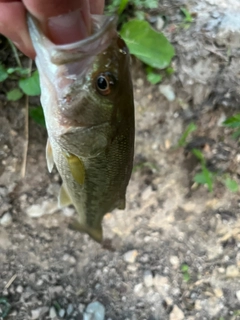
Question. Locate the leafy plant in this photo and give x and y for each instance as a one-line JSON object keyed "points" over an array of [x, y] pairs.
{"points": [[234, 123], [146, 44], [187, 15], [185, 272], [205, 177], [183, 140]]}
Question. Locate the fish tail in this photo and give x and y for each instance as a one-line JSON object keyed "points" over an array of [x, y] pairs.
{"points": [[94, 233]]}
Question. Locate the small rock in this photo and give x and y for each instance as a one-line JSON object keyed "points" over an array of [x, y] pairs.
{"points": [[94, 311], [138, 288], [130, 256], [232, 271], [81, 307], [218, 292], [238, 295], [167, 91], [6, 219], [61, 313], [176, 314], [161, 284], [174, 261], [52, 313], [38, 210], [19, 289], [69, 309], [69, 258], [68, 212], [148, 278], [159, 23], [147, 193], [35, 313]]}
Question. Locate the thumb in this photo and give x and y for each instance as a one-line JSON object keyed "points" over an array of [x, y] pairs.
{"points": [[62, 21]]}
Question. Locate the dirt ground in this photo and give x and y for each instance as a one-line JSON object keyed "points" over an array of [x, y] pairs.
{"points": [[50, 272]]}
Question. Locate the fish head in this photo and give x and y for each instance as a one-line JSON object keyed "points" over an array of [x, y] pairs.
{"points": [[85, 83]]}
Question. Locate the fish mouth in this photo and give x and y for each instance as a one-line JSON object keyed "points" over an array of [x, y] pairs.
{"points": [[103, 30]]}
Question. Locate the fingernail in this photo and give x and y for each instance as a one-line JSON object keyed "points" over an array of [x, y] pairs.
{"points": [[67, 28]]}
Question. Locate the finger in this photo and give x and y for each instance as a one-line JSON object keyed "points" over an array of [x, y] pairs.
{"points": [[96, 6], [13, 26], [63, 21]]}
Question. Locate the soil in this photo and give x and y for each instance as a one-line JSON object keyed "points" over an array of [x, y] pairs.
{"points": [[177, 245]]}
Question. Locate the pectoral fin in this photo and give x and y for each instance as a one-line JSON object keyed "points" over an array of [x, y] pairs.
{"points": [[63, 198], [76, 167], [95, 233], [49, 156]]}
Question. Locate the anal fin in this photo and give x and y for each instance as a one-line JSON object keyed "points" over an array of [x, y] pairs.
{"points": [[63, 198]]}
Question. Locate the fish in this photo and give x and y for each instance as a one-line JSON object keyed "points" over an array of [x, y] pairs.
{"points": [[88, 105]]}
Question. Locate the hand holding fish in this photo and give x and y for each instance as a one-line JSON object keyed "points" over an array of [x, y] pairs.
{"points": [[63, 21]]}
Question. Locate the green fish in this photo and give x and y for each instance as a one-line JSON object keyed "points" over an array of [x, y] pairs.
{"points": [[87, 98]]}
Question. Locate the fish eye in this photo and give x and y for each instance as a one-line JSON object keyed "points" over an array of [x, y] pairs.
{"points": [[104, 82]]}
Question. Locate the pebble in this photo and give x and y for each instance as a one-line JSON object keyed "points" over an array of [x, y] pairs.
{"points": [[238, 295], [159, 23], [167, 91], [38, 210], [94, 311], [19, 289], [174, 261], [69, 258], [130, 256], [148, 278], [61, 313], [232, 271], [6, 219], [176, 314], [35, 314], [52, 313], [161, 284], [138, 289], [81, 307], [69, 309]]}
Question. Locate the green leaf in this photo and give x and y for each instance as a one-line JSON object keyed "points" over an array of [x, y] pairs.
{"points": [[205, 177], [122, 6], [187, 14], [233, 122], [140, 15], [198, 154], [208, 177], [186, 276], [169, 71], [20, 71], [153, 77], [146, 44], [190, 128], [30, 86], [3, 73], [231, 184], [184, 267], [14, 94], [36, 113], [236, 134]]}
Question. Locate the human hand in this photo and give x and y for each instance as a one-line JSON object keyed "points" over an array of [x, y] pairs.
{"points": [[63, 21]]}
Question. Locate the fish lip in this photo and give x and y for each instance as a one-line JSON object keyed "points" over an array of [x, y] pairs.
{"points": [[61, 54]]}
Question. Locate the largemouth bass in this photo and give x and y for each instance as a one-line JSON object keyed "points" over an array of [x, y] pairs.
{"points": [[87, 98]]}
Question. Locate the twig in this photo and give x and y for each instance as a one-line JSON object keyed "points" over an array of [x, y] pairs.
{"points": [[15, 53], [10, 281], [26, 130]]}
